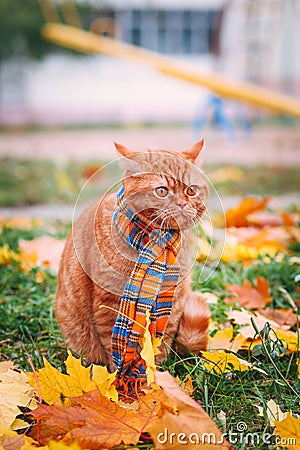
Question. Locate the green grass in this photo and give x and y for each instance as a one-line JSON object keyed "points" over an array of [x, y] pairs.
{"points": [[31, 182], [29, 329]]}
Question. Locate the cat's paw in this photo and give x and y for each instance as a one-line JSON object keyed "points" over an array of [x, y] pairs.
{"points": [[193, 327]]}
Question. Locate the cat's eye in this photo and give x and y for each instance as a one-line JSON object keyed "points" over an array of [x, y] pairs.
{"points": [[161, 191], [191, 191]]}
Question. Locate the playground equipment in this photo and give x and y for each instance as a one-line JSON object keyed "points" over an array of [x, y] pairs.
{"points": [[89, 42]]}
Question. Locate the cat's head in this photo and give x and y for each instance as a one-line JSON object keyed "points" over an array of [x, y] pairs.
{"points": [[164, 187]]}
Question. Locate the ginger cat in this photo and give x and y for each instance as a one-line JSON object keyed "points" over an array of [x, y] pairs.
{"points": [[163, 187]]}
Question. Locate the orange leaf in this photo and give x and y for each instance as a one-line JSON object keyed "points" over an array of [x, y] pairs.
{"points": [[289, 432], [190, 427], [280, 315], [96, 422], [223, 340], [250, 297], [237, 217]]}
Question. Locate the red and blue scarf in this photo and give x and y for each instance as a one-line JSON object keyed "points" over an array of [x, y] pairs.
{"points": [[151, 286]]}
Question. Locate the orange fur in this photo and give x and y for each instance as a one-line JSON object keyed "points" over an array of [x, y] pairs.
{"points": [[96, 262]]}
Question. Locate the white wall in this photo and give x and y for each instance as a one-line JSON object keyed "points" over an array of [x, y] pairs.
{"points": [[95, 89]]}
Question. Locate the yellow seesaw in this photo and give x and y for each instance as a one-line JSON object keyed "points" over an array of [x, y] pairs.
{"points": [[89, 42]]}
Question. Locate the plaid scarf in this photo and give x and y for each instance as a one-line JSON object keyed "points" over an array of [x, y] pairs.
{"points": [[151, 286]]}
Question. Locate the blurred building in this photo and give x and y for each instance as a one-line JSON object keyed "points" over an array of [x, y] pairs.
{"points": [[252, 39]]}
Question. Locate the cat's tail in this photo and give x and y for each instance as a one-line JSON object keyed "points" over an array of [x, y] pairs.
{"points": [[193, 327]]}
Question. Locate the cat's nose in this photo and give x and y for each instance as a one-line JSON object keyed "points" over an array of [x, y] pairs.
{"points": [[181, 204]]}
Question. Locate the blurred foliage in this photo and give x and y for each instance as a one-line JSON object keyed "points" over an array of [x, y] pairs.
{"points": [[31, 182], [254, 180], [20, 30]]}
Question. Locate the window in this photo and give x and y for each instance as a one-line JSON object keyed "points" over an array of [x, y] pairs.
{"points": [[167, 31]]}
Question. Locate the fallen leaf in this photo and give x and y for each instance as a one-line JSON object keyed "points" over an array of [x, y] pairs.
{"points": [[57, 388], [24, 261], [54, 445], [273, 412], [290, 339], [250, 297], [244, 318], [5, 366], [47, 249], [187, 386], [221, 416], [237, 217], [281, 332], [222, 362], [280, 316], [7, 255], [289, 432], [147, 352], [14, 442], [223, 340], [10, 440], [190, 427], [248, 243], [96, 422], [15, 391]]}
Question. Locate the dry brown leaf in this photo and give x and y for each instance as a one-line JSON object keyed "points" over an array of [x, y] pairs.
{"points": [[96, 422], [10, 440], [273, 412], [250, 297], [15, 391], [280, 316], [5, 366], [190, 428], [289, 338]]}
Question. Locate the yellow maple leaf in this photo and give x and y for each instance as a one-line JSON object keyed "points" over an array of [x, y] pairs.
{"points": [[24, 261], [289, 338], [242, 251], [104, 382], [289, 432], [221, 362], [30, 444], [147, 352], [7, 255], [15, 391], [223, 340], [57, 388]]}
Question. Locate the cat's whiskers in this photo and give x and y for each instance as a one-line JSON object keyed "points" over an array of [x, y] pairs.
{"points": [[158, 216]]}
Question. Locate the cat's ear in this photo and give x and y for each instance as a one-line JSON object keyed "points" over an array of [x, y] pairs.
{"points": [[192, 153], [124, 151], [128, 163]]}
